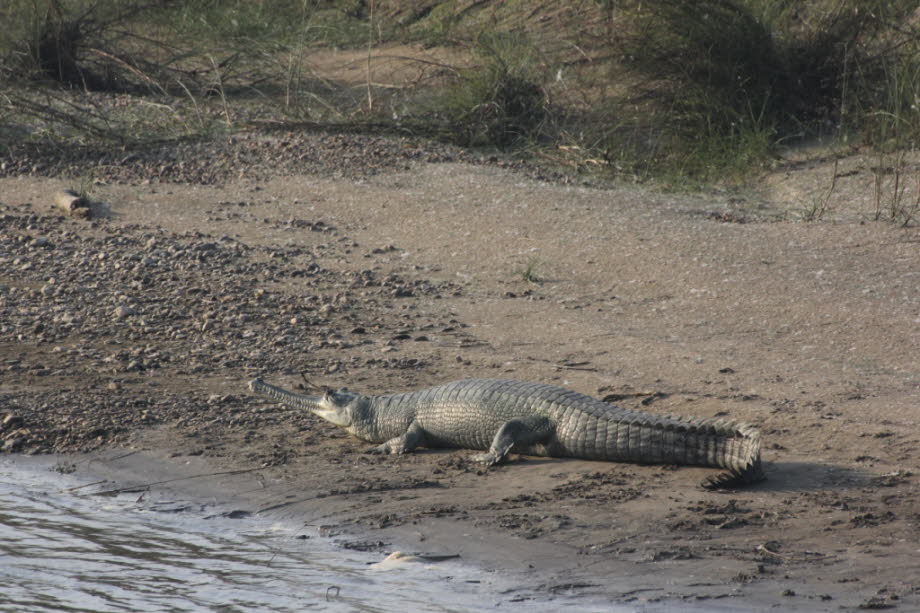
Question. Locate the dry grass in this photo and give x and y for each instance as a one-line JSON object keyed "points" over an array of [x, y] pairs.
{"points": [[692, 92]]}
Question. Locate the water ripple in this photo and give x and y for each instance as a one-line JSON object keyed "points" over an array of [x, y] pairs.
{"points": [[61, 552]]}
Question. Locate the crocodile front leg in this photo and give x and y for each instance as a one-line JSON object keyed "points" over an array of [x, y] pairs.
{"points": [[413, 437], [522, 431]]}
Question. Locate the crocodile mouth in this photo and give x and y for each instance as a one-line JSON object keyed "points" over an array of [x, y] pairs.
{"points": [[318, 405]]}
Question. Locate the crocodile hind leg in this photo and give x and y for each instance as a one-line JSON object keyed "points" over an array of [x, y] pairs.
{"points": [[522, 431]]}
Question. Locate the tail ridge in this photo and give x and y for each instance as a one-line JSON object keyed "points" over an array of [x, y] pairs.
{"points": [[743, 464]]}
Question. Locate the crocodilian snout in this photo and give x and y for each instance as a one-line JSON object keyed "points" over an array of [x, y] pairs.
{"points": [[318, 405], [300, 401]]}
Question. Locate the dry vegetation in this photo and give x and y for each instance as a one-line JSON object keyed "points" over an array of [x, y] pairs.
{"points": [[693, 91]]}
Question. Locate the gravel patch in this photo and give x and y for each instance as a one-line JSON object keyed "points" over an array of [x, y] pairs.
{"points": [[249, 155]]}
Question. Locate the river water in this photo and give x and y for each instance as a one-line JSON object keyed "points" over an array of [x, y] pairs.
{"points": [[63, 550]]}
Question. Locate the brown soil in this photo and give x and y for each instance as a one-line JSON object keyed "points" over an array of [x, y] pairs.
{"points": [[385, 271]]}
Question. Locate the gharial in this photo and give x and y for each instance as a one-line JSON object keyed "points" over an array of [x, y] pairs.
{"points": [[502, 416]]}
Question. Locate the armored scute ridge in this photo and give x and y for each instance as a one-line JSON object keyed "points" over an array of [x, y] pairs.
{"points": [[501, 416]]}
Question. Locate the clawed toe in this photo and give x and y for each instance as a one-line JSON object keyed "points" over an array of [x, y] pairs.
{"points": [[488, 458]]}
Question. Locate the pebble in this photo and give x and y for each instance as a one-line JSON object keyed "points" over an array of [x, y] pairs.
{"points": [[122, 311], [10, 421], [81, 302]]}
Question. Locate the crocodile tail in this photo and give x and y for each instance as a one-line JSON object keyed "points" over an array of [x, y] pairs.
{"points": [[741, 456]]}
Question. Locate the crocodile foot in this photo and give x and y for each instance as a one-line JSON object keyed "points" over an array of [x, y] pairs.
{"points": [[488, 458]]}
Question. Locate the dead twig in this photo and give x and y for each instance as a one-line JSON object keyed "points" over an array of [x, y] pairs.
{"points": [[312, 386], [132, 69], [73, 489], [820, 206], [370, 49], [220, 86]]}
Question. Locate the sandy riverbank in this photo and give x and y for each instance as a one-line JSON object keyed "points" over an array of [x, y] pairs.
{"points": [[137, 333]]}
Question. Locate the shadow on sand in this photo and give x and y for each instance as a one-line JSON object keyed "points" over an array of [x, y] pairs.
{"points": [[812, 476]]}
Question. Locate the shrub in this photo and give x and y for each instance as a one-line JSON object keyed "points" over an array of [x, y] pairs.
{"points": [[42, 38], [723, 81], [499, 102]]}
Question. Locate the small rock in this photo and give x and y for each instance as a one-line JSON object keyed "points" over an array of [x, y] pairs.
{"points": [[72, 203], [10, 421], [122, 311]]}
